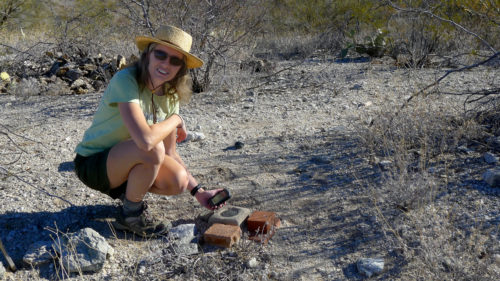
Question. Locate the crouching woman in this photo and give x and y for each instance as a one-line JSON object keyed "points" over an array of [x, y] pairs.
{"points": [[130, 147]]}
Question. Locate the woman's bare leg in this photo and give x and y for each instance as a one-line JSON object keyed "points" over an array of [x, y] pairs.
{"points": [[127, 162], [172, 178]]}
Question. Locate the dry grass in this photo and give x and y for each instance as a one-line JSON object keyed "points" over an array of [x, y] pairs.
{"points": [[439, 232]]}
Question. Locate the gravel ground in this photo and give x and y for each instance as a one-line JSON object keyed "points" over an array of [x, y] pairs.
{"points": [[302, 158]]}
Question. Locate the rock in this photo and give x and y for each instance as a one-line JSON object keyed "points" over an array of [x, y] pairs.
{"points": [[89, 67], [356, 87], [195, 136], [54, 69], [252, 263], [2, 271], [238, 145], [85, 251], [73, 74], [321, 160], [121, 62], [183, 232], [385, 165], [491, 158], [496, 259], [369, 267], [492, 177], [79, 83], [464, 149], [494, 142], [39, 253], [256, 65], [5, 77], [184, 239]]}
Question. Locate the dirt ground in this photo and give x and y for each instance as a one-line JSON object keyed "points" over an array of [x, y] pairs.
{"points": [[301, 157]]}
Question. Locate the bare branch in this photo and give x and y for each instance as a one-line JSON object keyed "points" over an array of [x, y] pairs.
{"points": [[9, 173], [17, 135], [432, 15], [445, 75]]}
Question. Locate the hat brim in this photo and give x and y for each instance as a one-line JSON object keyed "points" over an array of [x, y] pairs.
{"points": [[192, 61]]}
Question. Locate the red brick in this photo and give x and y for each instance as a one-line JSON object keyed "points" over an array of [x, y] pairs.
{"points": [[260, 222], [222, 235], [265, 237]]}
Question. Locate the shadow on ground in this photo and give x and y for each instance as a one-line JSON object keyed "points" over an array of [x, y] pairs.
{"points": [[325, 203], [45, 226]]}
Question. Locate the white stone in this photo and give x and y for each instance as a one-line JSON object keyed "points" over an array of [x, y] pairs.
{"points": [[85, 251], [252, 263], [496, 258], [184, 239], [183, 232], [195, 136], [369, 267], [39, 253]]}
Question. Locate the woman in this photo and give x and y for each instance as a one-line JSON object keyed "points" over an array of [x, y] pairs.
{"points": [[130, 148]]}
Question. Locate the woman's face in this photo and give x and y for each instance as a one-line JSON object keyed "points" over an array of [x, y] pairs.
{"points": [[164, 63]]}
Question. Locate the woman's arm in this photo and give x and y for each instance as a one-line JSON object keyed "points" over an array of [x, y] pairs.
{"points": [[144, 135], [202, 195]]}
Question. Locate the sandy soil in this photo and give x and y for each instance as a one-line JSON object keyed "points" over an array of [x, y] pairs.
{"points": [[302, 158]]}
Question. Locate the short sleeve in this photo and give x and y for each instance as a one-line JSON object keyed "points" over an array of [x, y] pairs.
{"points": [[123, 87], [176, 106]]}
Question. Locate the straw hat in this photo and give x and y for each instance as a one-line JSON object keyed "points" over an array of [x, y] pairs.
{"points": [[172, 37]]}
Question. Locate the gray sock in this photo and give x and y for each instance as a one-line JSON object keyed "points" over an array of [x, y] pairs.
{"points": [[130, 207]]}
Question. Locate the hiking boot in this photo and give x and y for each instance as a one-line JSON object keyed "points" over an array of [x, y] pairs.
{"points": [[141, 223]]}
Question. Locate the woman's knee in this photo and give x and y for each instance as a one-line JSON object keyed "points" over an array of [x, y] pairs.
{"points": [[181, 181], [156, 155]]}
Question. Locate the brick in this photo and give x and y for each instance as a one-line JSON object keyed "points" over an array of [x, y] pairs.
{"points": [[230, 215], [263, 238], [260, 222], [222, 235]]}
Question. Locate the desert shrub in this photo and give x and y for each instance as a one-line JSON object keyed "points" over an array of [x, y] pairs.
{"points": [[80, 27], [419, 194], [329, 20], [11, 12], [434, 237], [419, 136], [416, 30], [419, 29]]}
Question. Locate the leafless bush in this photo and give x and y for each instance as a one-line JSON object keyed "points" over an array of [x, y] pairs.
{"points": [[221, 29], [430, 235], [412, 44], [423, 132]]}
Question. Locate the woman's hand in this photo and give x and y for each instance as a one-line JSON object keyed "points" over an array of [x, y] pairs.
{"points": [[203, 195], [181, 131]]}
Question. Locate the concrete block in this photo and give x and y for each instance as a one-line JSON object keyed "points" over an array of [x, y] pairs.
{"points": [[230, 215], [222, 235], [261, 222]]}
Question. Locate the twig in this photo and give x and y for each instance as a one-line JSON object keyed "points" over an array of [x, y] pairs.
{"points": [[12, 265], [34, 186], [17, 135], [273, 75], [445, 75], [432, 15], [17, 50]]}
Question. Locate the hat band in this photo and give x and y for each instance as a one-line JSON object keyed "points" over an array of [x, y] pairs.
{"points": [[174, 45]]}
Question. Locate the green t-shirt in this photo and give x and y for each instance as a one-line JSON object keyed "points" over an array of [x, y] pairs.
{"points": [[107, 128]]}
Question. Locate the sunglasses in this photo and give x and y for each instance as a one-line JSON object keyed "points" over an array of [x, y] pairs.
{"points": [[161, 55]]}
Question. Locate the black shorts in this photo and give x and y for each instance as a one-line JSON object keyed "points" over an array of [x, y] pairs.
{"points": [[92, 171]]}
